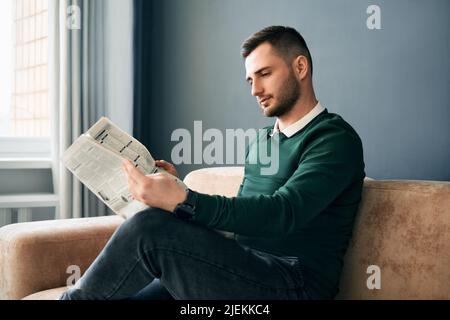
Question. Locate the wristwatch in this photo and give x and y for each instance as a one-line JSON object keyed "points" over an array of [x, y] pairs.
{"points": [[186, 210]]}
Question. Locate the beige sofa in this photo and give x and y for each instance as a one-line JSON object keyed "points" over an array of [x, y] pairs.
{"points": [[403, 227]]}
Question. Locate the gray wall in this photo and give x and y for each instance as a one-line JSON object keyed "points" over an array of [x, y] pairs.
{"points": [[119, 62], [391, 84]]}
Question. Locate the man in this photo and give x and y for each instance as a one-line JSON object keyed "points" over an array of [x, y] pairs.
{"points": [[292, 227]]}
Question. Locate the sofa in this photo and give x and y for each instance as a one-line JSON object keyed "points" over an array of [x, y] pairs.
{"points": [[400, 247]]}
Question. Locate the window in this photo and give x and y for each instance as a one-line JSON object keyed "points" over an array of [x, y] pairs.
{"points": [[24, 85]]}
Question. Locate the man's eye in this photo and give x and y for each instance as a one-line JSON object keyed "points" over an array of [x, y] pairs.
{"points": [[265, 74]]}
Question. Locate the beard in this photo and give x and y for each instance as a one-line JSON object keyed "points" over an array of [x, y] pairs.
{"points": [[287, 98]]}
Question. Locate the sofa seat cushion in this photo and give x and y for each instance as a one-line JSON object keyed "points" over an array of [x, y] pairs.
{"points": [[51, 294]]}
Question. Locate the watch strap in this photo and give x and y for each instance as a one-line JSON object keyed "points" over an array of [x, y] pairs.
{"points": [[186, 209], [191, 198]]}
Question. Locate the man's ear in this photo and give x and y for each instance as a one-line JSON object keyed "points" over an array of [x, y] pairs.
{"points": [[301, 66]]}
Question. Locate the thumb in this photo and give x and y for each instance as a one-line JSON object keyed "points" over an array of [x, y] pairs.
{"points": [[162, 163]]}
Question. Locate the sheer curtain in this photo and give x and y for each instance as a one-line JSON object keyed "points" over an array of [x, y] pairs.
{"points": [[76, 33]]}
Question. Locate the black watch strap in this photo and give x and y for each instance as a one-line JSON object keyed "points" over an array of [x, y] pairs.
{"points": [[191, 198], [186, 209]]}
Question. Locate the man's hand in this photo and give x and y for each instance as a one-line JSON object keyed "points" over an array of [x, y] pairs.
{"points": [[170, 168], [158, 190]]}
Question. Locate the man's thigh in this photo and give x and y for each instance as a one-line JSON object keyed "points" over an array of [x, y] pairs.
{"points": [[197, 262]]}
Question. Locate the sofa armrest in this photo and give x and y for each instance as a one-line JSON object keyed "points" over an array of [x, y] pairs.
{"points": [[34, 256]]}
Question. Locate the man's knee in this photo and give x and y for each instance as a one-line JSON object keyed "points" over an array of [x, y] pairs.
{"points": [[147, 223], [156, 226]]}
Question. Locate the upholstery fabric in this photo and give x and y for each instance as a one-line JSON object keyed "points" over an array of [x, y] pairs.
{"points": [[220, 180], [50, 294], [403, 227], [34, 256]]}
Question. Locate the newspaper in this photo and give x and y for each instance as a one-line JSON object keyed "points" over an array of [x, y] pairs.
{"points": [[96, 158]]}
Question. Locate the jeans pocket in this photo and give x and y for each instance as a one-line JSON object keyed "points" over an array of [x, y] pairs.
{"points": [[293, 267]]}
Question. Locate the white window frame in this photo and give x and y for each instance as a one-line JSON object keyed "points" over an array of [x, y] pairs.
{"points": [[25, 147]]}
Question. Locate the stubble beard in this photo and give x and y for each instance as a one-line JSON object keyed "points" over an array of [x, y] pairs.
{"points": [[287, 100]]}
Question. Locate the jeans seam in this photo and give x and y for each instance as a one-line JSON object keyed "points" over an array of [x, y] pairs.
{"points": [[170, 292], [188, 254], [116, 288], [287, 259]]}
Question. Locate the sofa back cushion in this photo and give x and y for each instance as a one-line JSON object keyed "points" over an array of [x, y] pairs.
{"points": [[224, 181], [401, 236], [403, 229]]}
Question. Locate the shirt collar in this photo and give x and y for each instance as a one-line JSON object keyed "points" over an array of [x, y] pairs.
{"points": [[299, 124]]}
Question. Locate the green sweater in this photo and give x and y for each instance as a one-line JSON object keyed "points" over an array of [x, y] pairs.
{"points": [[306, 209]]}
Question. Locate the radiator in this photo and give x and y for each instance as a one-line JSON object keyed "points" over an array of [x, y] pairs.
{"points": [[19, 208]]}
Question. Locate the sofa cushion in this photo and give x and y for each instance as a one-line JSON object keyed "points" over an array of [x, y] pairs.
{"points": [[403, 227], [224, 181], [51, 294], [34, 256]]}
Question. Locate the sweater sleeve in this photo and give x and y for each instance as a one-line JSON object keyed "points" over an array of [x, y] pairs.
{"points": [[326, 167]]}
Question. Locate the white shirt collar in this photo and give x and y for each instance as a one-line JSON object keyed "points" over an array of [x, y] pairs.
{"points": [[301, 123]]}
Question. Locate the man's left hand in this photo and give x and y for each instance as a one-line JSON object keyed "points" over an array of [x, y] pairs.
{"points": [[158, 190]]}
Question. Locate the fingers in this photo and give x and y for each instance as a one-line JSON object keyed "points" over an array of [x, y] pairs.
{"points": [[133, 172], [163, 164], [170, 168], [133, 187], [134, 180]]}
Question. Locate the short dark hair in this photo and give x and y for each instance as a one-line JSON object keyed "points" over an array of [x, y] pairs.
{"points": [[286, 40]]}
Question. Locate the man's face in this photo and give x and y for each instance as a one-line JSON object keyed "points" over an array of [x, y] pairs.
{"points": [[272, 81]]}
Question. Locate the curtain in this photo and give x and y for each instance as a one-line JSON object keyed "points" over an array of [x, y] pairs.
{"points": [[77, 93], [145, 88]]}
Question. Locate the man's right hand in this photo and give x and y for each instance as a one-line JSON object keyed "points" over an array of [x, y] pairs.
{"points": [[170, 168]]}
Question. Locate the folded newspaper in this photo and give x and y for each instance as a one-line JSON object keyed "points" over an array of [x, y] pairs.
{"points": [[96, 158]]}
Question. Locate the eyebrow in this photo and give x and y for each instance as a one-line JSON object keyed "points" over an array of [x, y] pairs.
{"points": [[258, 72]]}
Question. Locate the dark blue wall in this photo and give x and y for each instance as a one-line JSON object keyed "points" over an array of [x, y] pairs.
{"points": [[392, 85]]}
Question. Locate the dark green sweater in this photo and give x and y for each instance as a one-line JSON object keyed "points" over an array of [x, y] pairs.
{"points": [[307, 208]]}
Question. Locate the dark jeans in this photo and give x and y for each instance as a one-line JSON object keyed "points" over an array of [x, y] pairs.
{"points": [[157, 256]]}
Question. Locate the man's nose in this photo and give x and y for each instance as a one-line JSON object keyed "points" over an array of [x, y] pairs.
{"points": [[257, 89]]}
